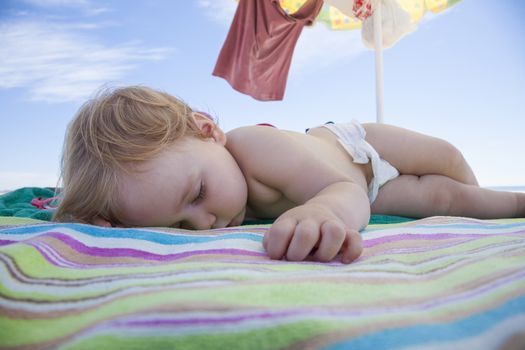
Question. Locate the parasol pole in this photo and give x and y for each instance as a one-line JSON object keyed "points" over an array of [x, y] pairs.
{"points": [[378, 45]]}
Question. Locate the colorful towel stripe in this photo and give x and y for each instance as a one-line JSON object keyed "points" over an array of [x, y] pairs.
{"points": [[437, 283]]}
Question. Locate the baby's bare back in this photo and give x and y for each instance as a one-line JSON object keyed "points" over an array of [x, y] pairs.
{"points": [[284, 169]]}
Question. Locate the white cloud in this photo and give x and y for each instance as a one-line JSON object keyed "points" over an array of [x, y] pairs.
{"points": [[221, 11], [57, 63], [321, 46], [85, 5]]}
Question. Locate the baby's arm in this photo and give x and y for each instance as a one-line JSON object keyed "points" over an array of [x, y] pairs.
{"points": [[330, 208]]}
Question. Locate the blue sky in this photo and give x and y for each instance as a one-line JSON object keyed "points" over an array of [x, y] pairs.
{"points": [[459, 76]]}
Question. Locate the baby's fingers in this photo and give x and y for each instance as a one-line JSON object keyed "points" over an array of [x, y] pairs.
{"points": [[304, 239], [333, 235], [277, 239], [352, 246]]}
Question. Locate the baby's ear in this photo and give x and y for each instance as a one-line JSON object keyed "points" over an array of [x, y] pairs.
{"points": [[209, 128]]}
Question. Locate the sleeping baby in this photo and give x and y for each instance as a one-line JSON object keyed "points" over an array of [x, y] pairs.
{"points": [[134, 156]]}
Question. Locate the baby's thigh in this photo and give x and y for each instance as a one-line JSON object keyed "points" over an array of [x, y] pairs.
{"points": [[411, 152], [415, 196]]}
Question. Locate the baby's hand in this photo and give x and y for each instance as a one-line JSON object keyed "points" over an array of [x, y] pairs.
{"points": [[298, 231]]}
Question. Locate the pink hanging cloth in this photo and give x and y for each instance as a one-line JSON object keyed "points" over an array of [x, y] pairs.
{"points": [[257, 53]]}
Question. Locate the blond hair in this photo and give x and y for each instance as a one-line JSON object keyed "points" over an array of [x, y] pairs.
{"points": [[116, 127]]}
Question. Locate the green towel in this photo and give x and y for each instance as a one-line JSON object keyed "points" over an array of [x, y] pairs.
{"points": [[388, 219], [18, 203]]}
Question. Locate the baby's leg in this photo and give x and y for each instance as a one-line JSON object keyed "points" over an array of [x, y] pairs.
{"points": [[429, 195], [413, 153]]}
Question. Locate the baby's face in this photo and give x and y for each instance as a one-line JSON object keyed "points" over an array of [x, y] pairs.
{"points": [[195, 184]]}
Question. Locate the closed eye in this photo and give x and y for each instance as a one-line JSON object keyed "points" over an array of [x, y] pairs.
{"points": [[200, 195]]}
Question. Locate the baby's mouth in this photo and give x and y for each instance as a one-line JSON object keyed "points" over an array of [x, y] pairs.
{"points": [[236, 221]]}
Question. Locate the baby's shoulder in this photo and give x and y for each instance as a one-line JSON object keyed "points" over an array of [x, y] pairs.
{"points": [[250, 131], [254, 137]]}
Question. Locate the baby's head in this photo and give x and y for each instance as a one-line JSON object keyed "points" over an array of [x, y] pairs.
{"points": [[129, 150]]}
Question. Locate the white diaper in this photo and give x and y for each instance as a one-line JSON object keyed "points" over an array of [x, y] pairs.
{"points": [[352, 137]]}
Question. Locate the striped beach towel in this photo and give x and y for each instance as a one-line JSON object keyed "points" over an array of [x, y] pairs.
{"points": [[436, 283]]}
